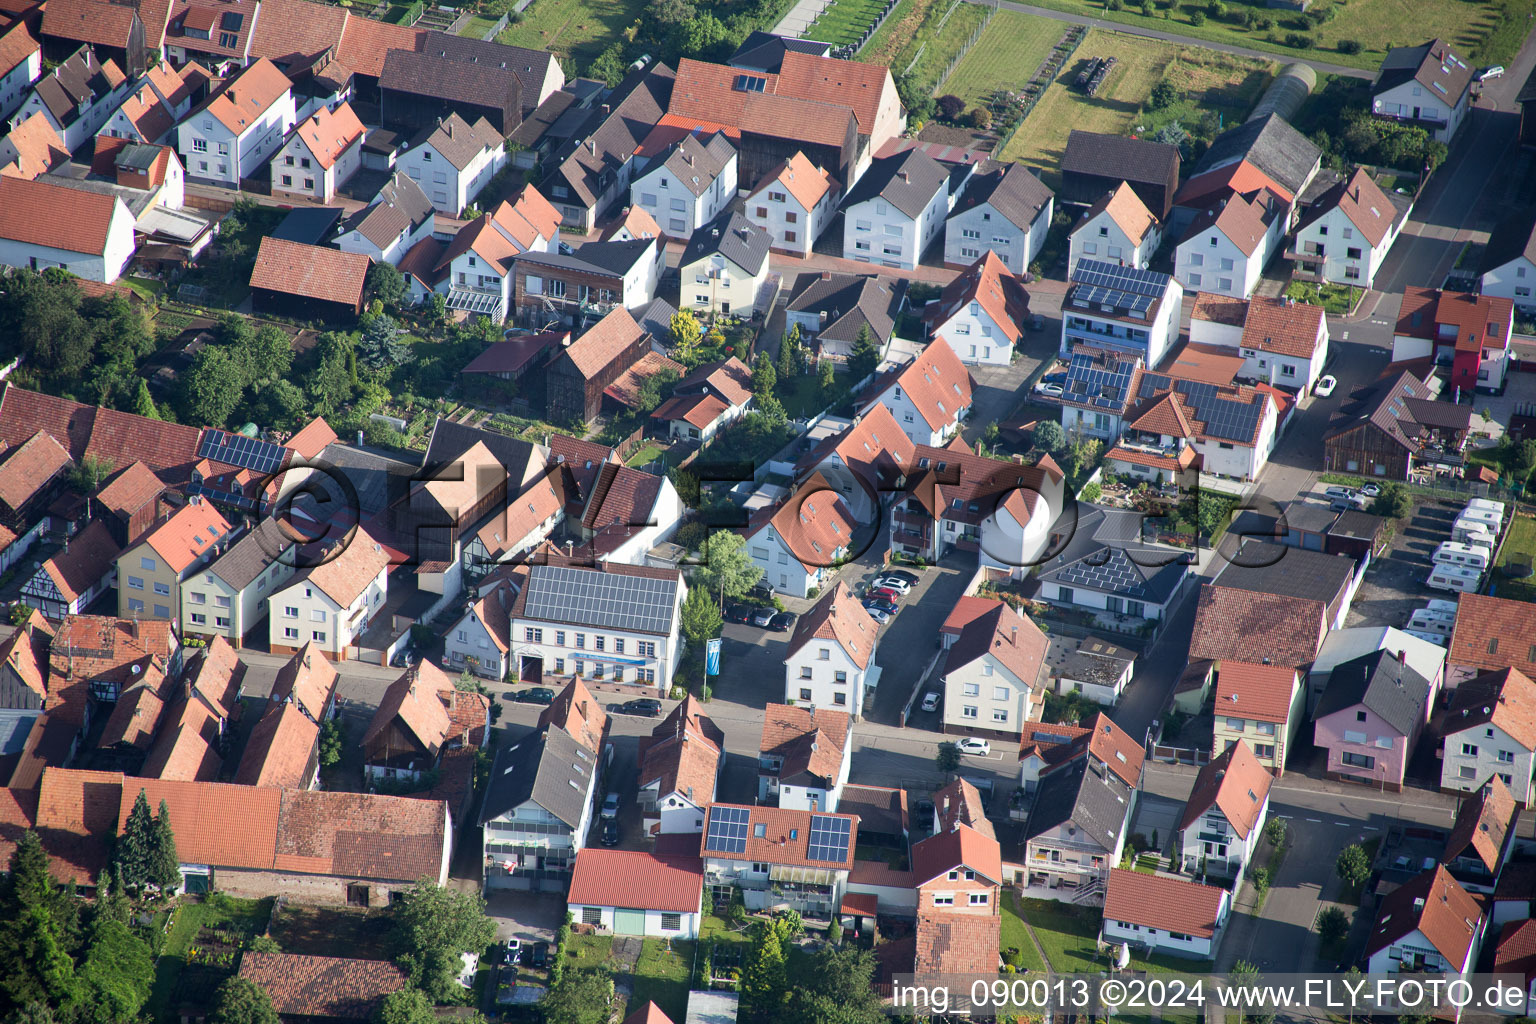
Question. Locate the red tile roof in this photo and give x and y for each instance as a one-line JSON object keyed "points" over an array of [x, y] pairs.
{"points": [[187, 535], [310, 271], [1482, 824], [1235, 784], [330, 133], [785, 840], [89, 21], [150, 115], [1220, 309], [682, 763], [875, 448], [799, 177], [25, 653], [696, 410], [29, 468], [1361, 200], [576, 711], [1127, 210], [937, 383], [1493, 633], [334, 988], [1013, 641], [17, 45], [991, 284], [245, 97], [39, 148], [309, 678], [90, 555], [956, 847], [960, 803], [1231, 623], [807, 740], [1259, 692], [1157, 901], [638, 880], [1240, 177], [729, 379], [309, 442], [838, 617], [1516, 951], [468, 715], [626, 387], [814, 523], [1505, 698], [953, 942], [1435, 905], [77, 815], [413, 699], [604, 342], [622, 497], [346, 575], [131, 489], [708, 91], [279, 749], [650, 1013], [1282, 326], [830, 80], [966, 610], [42, 213]]}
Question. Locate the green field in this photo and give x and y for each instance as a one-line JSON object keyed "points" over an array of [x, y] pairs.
{"points": [[844, 21], [577, 30], [477, 27], [923, 36], [1520, 548], [1205, 78], [1006, 55], [1485, 31]]}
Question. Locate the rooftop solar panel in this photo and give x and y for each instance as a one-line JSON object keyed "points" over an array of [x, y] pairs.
{"points": [[727, 830], [829, 838], [586, 597], [239, 450]]}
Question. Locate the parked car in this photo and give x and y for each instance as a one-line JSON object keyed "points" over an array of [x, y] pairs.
{"points": [[895, 583], [972, 745], [539, 956], [761, 591], [611, 805], [878, 613], [763, 616], [885, 592], [1497, 71], [403, 659], [610, 832], [924, 815], [903, 574], [1059, 377], [782, 622], [1370, 490], [931, 700], [737, 612], [1336, 492], [646, 707], [512, 952], [885, 604], [536, 695], [1353, 503], [1325, 385], [1048, 390]]}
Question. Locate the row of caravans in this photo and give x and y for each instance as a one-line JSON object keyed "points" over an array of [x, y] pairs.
{"points": [[1461, 561]]}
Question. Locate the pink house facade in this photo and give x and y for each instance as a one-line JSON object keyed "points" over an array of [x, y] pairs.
{"points": [[1370, 717]]}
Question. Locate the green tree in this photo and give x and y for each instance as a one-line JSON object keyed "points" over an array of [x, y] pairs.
{"points": [[405, 1006], [135, 847], [838, 989], [332, 742], [34, 940], [1353, 867], [701, 37], [162, 868], [1049, 436], [330, 384], [609, 67], [385, 283], [1332, 925], [790, 353], [213, 386], [380, 345], [580, 997], [271, 352], [701, 619], [89, 473], [117, 972], [686, 331], [1092, 491], [1393, 502], [726, 570], [826, 379], [771, 409], [764, 978], [1207, 510], [282, 404], [144, 402], [948, 758], [434, 926], [764, 377], [864, 358], [241, 1001], [655, 389]]}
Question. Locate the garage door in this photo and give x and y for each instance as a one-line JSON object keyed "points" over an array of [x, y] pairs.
{"points": [[628, 922]]}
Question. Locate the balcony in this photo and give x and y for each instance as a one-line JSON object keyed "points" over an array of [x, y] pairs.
{"points": [[484, 301]]}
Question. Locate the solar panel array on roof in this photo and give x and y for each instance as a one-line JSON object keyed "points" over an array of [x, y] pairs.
{"points": [[1089, 382], [829, 838], [727, 830], [1116, 573], [239, 450], [585, 597], [1107, 284], [1230, 418]]}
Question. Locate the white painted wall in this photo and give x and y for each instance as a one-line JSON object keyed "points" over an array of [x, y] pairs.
{"points": [[106, 266], [1100, 238], [1411, 100], [715, 284], [16, 83], [676, 209], [289, 175], [225, 158], [834, 681], [985, 695], [972, 232], [976, 338], [449, 188], [299, 611], [874, 231], [1513, 281], [1348, 256], [1491, 744], [1210, 262], [773, 216]]}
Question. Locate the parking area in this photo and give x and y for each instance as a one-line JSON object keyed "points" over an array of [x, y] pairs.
{"points": [[531, 917], [1157, 819], [1394, 584]]}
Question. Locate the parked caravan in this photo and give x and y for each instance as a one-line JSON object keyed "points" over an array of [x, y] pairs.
{"points": [[1490, 519], [1455, 577], [1433, 638], [1487, 505], [1442, 608], [1424, 622], [1466, 532], [1452, 553]]}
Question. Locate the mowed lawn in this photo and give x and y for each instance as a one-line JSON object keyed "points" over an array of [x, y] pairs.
{"points": [[1209, 79], [577, 30], [1007, 54], [844, 21]]}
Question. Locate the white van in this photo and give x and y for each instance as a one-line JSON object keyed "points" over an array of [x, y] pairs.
{"points": [[1424, 622], [1452, 553], [1490, 519], [1467, 532], [1487, 505], [1455, 577], [1433, 638]]}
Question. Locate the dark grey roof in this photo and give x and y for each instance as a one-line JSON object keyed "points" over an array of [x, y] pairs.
{"points": [[537, 124], [850, 301], [1084, 794], [456, 139], [732, 236], [399, 208], [308, 225], [15, 726], [1271, 145], [655, 318], [530, 66], [374, 481], [450, 440], [1309, 517], [1513, 237], [1098, 557], [549, 768], [1264, 567], [908, 181], [609, 135], [1433, 65], [1011, 189], [1390, 688], [695, 161], [764, 51], [1095, 660], [1119, 156], [430, 74], [617, 258], [251, 555]]}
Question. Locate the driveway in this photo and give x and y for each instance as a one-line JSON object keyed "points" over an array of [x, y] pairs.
{"points": [[531, 917], [910, 640]]}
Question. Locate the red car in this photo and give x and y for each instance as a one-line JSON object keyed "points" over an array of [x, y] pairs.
{"points": [[884, 592]]}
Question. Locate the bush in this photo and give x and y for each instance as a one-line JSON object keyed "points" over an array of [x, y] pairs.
{"points": [[1164, 94], [1148, 8], [1394, 501], [1332, 925], [1275, 831], [1264, 23], [950, 107], [1261, 881], [1114, 5], [1299, 40], [1350, 46], [1216, 9], [1197, 18], [1092, 491], [980, 118]]}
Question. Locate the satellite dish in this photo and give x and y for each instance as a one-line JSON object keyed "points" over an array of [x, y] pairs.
{"points": [[1124, 959]]}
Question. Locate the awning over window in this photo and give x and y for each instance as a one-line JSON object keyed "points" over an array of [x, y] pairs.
{"points": [[803, 875]]}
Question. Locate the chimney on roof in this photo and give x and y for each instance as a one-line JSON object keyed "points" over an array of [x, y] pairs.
{"points": [[1015, 636], [592, 146], [826, 275]]}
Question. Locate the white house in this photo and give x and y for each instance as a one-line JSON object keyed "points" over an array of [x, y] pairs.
{"points": [[928, 397], [1109, 306], [799, 542], [77, 97], [1509, 263], [1345, 236], [630, 635], [239, 127], [1427, 86], [67, 583], [1004, 210], [481, 638], [628, 513], [1102, 566], [332, 603], [475, 271], [1098, 669], [1227, 245], [1097, 393], [229, 597], [981, 313], [1470, 332], [1233, 428], [688, 184], [1429, 924], [758, 849], [830, 662], [537, 810], [831, 309], [679, 766], [21, 63], [529, 516], [631, 892], [1161, 914], [392, 223], [803, 757], [795, 202], [725, 267], [1224, 816], [1490, 730], [46, 225], [1282, 342], [453, 160], [321, 154], [995, 675], [1117, 229], [143, 116], [895, 210], [707, 400]]}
